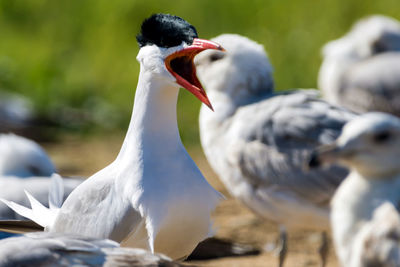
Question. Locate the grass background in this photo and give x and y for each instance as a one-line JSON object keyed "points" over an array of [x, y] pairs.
{"points": [[81, 53]]}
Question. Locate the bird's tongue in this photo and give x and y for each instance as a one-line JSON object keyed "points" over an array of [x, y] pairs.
{"points": [[180, 64]]}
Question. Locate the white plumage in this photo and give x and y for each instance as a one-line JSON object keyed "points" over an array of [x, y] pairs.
{"points": [[369, 145], [361, 70], [152, 196], [377, 243], [257, 141], [24, 165], [23, 158]]}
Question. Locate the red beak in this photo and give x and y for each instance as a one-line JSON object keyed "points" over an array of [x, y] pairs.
{"points": [[180, 65]]}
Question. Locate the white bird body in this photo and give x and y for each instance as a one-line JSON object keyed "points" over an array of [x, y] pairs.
{"points": [[152, 186], [268, 195], [377, 243], [369, 145], [364, 63], [353, 206], [152, 196], [256, 140]]}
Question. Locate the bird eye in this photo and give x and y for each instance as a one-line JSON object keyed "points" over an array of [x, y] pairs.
{"points": [[381, 137], [216, 56]]}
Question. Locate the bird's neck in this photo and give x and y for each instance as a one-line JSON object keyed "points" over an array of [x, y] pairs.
{"points": [[153, 123], [225, 104]]}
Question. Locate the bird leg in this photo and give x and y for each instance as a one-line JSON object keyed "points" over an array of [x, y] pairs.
{"points": [[324, 248], [281, 248]]}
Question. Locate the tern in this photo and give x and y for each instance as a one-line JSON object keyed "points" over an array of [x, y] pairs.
{"points": [[361, 70], [153, 196], [24, 165], [257, 140], [370, 146], [50, 249]]}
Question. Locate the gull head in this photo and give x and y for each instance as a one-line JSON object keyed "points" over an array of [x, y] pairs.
{"points": [[168, 45], [23, 158], [242, 71], [370, 144], [369, 36]]}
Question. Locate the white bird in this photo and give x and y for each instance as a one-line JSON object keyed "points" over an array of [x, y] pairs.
{"points": [[23, 158], [378, 242], [24, 165], [257, 141], [361, 70], [50, 249], [370, 146], [152, 196]]}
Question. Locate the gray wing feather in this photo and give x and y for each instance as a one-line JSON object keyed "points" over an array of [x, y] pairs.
{"points": [[279, 141], [49, 249]]}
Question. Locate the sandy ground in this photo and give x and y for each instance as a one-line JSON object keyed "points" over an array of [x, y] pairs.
{"points": [[232, 220]]}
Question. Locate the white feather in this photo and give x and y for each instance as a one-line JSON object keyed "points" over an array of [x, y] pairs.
{"points": [[56, 193]]}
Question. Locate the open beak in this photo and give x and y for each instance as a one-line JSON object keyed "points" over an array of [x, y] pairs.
{"points": [[180, 64]]}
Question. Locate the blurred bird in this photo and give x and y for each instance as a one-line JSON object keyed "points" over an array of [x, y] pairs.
{"points": [[23, 158], [361, 71], [378, 242], [50, 249], [257, 140], [370, 146], [24, 165], [152, 196]]}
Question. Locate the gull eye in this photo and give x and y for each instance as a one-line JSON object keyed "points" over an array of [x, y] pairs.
{"points": [[216, 56], [382, 137]]}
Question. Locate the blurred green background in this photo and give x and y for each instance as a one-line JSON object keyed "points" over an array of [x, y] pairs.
{"points": [[79, 55]]}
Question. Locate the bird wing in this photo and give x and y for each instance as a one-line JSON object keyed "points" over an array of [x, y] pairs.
{"points": [[376, 84], [37, 186], [50, 249], [97, 208], [277, 138]]}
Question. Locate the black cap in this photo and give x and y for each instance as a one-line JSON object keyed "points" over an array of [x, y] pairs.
{"points": [[165, 30]]}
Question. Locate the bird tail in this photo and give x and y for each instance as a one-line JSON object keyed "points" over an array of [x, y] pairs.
{"points": [[38, 213]]}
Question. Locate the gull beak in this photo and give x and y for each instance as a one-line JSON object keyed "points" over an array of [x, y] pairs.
{"points": [[323, 155], [180, 64]]}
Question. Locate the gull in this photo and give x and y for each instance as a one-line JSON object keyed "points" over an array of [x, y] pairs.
{"points": [[369, 145], [50, 249], [257, 140], [361, 70], [377, 243], [153, 196], [23, 158], [24, 165]]}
